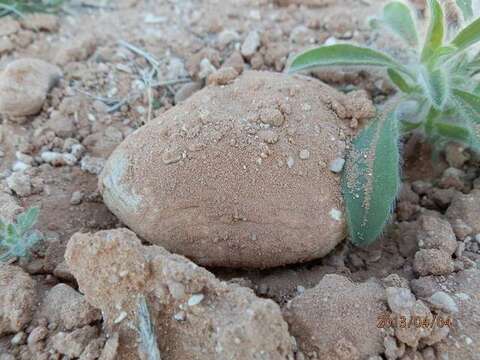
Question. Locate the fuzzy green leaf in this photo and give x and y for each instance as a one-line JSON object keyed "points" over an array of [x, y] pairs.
{"points": [[399, 80], [342, 55], [435, 85], [430, 120], [371, 179], [436, 30], [398, 17], [466, 8], [468, 36], [453, 131], [11, 234], [468, 104], [476, 91], [26, 220]]}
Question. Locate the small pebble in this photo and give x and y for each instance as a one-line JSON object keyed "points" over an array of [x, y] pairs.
{"points": [[336, 165], [195, 299], [19, 338], [443, 301], [290, 162], [180, 316], [76, 198], [477, 238], [304, 154]]}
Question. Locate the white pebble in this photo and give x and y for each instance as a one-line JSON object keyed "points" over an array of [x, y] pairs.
{"points": [[180, 316], [290, 162], [443, 301], [336, 214], [195, 299], [251, 44], [120, 317], [304, 154], [19, 166], [477, 238], [336, 165], [58, 159], [92, 165]]}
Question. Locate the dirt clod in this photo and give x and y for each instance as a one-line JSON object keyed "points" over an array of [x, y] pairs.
{"points": [[17, 299], [113, 268], [338, 314], [24, 85]]}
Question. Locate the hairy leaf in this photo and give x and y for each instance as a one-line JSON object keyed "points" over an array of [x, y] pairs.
{"points": [[430, 119], [21, 7], [476, 91], [342, 55], [468, 104], [398, 17], [436, 30], [453, 131], [26, 220], [441, 54], [435, 85], [468, 36], [11, 234], [399, 80], [466, 7], [371, 179]]}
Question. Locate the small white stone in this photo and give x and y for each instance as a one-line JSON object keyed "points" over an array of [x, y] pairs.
{"points": [[206, 68], [336, 165], [180, 316], [195, 299], [77, 150], [251, 44], [443, 301], [290, 162], [120, 317], [304, 154], [336, 214], [462, 296], [477, 238], [20, 183], [19, 338], [92, 165], [400, 300], [19, 166]]}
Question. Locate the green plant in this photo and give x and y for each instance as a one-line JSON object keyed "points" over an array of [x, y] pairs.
{"points": [[21, 7], [437, 95], [148, 339], [18, 238]]}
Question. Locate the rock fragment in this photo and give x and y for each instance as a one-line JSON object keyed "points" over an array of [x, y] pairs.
{"points": [[466, 207], [68, 308], [433, 262], [20, 183], [72, 344], [17, 299], [338, 318], [436, 233], [24, 85], [250, 44], [113, 269]]}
